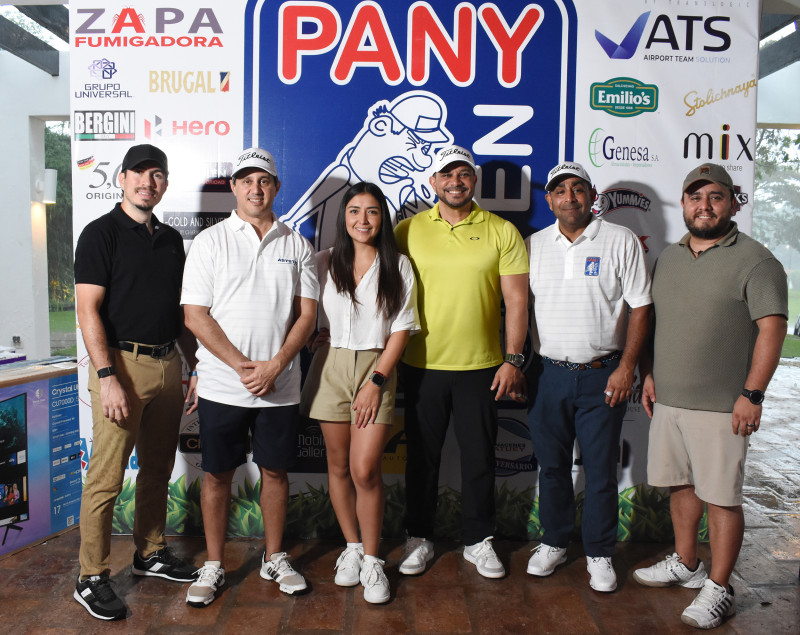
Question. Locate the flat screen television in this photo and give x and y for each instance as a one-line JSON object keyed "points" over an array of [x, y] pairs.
{"points": [[14, 503]]}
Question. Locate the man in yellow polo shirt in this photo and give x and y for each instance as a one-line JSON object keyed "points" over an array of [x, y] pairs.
{"points": [[466, 260]]}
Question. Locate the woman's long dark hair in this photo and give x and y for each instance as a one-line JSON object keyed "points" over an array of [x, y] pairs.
{"points": [[390, 282]]}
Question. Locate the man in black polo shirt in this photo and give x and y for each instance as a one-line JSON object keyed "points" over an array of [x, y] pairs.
{"points": [[128, 270]]}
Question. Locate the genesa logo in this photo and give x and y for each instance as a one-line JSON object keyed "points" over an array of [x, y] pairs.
{"points": [[671, 39], [606, 147], [167, 27], [624, 97]]}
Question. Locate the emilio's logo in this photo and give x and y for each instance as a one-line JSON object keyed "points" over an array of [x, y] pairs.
{"points": [[624, 97]]}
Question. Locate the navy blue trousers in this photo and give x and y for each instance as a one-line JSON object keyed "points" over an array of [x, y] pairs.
{"points": [[570, 404]]}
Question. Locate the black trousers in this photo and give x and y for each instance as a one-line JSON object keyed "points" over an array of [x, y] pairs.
{"points": [[431, 397]]}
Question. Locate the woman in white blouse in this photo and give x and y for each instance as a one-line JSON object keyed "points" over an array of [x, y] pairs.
{"points": [[367, 312]]}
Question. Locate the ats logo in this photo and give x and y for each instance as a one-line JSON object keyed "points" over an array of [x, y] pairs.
{"points": [[157, 127], [189, 82], [624, 97], [104, 125], [166, 27], [678, 38]]}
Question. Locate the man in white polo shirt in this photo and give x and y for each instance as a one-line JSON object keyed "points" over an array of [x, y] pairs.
{"points": [[585, 273], [250, 297]]}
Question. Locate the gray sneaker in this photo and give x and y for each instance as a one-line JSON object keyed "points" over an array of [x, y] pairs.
{"points": [[211, 577], [278, 569], [482, 555], [417, 553], [545, 559], [671, 571]]}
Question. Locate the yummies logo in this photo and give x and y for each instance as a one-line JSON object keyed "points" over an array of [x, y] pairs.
{"points": [[393, 84]]}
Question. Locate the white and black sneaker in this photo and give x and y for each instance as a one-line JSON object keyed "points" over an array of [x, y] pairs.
{"points": [[278, 569], [710, 607], [97, 596], [164, 564]]}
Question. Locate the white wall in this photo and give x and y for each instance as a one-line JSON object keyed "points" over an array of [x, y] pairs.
{"points": [[779, 98], [28, 98]]}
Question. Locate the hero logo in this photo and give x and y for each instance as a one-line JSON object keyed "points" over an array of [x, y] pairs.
{"points": [[127, 28], [605, 147], [157, 127], [315, 28], [676, 32]]}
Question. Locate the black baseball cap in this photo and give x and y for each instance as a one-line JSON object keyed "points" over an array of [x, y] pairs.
{"points": [[144, 152]]}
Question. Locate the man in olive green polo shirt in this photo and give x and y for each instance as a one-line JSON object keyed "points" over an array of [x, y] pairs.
{"points": [[721, 307], [465, 260]]}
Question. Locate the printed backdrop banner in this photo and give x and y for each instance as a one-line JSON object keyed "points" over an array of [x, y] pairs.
{"points": [[639, 91]]}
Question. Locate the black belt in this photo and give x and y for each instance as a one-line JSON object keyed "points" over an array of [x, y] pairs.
{"points": [[141, 349], [601, 362]]}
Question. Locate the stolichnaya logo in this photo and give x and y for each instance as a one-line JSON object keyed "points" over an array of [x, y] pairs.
{"points": [[624, 97]]}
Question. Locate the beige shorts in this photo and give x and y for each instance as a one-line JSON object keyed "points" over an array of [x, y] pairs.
{"points": [[697, 447], [333, 381]]}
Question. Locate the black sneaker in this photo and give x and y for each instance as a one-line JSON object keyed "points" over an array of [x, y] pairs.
{"points": [[98, 597], [164, 564]]}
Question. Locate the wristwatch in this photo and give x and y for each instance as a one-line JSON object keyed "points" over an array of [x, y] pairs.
{"points": [[515, 359], [378, 379], [756, 397], [105, 372]]}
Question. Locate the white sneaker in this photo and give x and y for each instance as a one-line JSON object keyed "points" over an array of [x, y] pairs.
{"points": [[278, 569], [545, 559], [417, 553], [603, 577], [671, 571], [348, 566], [203, 591], [376, 586], [711, 605], [482, 555]]}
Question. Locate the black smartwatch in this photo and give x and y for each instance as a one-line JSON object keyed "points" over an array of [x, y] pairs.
{"points": [[756, 397], [378, 379], [105, 372], [515, 359]]}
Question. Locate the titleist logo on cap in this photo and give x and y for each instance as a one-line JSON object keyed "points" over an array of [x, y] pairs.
{"points": [[252, 155]]}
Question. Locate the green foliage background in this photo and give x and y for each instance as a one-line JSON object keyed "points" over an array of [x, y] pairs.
{"points": [[643, 513]]}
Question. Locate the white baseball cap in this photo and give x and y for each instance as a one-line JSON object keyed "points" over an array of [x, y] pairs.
{"points": [[255, 158], [452, 154], [566, 168]]}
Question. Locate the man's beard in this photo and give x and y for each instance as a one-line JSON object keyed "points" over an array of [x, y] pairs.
{"points": [[709, 233]]}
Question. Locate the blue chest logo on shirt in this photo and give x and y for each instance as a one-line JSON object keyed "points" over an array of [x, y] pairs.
{"points": [[592, 267]]}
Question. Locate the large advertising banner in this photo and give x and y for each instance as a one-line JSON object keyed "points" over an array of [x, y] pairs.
{"points": [[639, 91]]}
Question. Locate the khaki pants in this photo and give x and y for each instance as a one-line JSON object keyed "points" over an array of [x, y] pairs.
{"points": [[155, 397]]}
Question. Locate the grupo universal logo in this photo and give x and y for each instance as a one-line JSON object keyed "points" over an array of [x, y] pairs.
{"points": [[159, 27], [175, 82], [623, 97], [102, 69], [104, 125], [671, 38], [615, 150]]}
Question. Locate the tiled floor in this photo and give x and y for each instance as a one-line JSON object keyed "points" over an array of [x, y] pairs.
{"points": [[36, 584]]}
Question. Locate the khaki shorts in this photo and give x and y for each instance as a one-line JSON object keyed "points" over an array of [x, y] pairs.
{"points": [[334, 379], [697, 447]]}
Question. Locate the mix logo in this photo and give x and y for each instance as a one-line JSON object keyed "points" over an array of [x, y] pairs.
{"points": [[102, 29], [605, 148], [103, 69], [104, 125], [155, 127], [618, 198], [703, 145], [623, 97], [666, 32], [189, 82]]}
